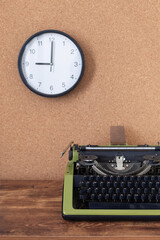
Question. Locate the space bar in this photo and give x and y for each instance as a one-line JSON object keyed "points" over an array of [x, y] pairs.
{"points": [[113, 205]]}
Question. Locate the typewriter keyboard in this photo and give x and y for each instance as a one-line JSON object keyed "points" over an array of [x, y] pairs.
{"points": [[109, 192]]}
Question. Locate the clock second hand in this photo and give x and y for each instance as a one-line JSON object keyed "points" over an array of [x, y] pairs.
{"points": [[51, 60]]}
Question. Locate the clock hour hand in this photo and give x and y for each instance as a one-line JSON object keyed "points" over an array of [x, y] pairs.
{"points": [[51, 60], [42, 63]]}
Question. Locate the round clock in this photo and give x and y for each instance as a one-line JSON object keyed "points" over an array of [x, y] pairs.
{"points": [[51, 63]]}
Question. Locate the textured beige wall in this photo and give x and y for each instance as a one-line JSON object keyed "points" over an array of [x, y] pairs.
{"points": [[121, 83]]}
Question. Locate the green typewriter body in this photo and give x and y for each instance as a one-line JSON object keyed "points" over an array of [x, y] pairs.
{"points": [[112, 182]]}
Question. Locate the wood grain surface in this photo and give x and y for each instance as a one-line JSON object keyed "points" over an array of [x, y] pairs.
{"points": [[33, 209], [120, 86]]}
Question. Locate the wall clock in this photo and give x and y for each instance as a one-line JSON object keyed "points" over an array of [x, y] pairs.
{"points": [[51, 63]]}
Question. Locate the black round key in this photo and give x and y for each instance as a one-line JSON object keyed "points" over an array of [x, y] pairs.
{"points": [[114, 197], [123, 184], [136, 196], [94, 184], [115, 184], [146, 178], [124, 191], [110, 190], [137, 184], [107, 197], [150, 197], [146, 190], [103, 190], [91, 178], [157, 198], [83, 197], [153, 178], [129, 196], [105, 178], [131, 178], [129, 184], [112, 178], [96, 190], [89, 190], [82, 184], [118, 178], [93, 196], [150, 184], [108, 184], [139, 178], [121, 197], [117, 191], [101, 184], [125, 178], [85, 178], [153, 191], [132, 191], [157, 184], [146, 197], [98, 178], [143, 197], [139, 191], [100, 197], [143, 184], [88, 184]]}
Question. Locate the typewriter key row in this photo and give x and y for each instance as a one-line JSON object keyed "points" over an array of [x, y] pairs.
{"points": [[120, 189], [111, 178], [121, 197]]}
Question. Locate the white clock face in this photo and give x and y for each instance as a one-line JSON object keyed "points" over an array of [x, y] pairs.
{"points": [[50, 63]]}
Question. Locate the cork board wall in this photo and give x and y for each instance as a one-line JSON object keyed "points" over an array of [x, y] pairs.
{"points": [[120, 86]]}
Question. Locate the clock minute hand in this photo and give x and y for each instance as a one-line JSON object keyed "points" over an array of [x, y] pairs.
{"points": [[51, 60], [42, 63]]}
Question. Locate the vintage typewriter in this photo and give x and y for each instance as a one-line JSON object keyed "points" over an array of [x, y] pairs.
{"points": [[112, 182]]}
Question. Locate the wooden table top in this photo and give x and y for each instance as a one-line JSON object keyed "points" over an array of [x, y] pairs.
{"points": [[32, 209]]}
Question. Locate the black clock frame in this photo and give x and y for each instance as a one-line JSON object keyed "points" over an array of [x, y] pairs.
{"points": [[20, 66]]}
